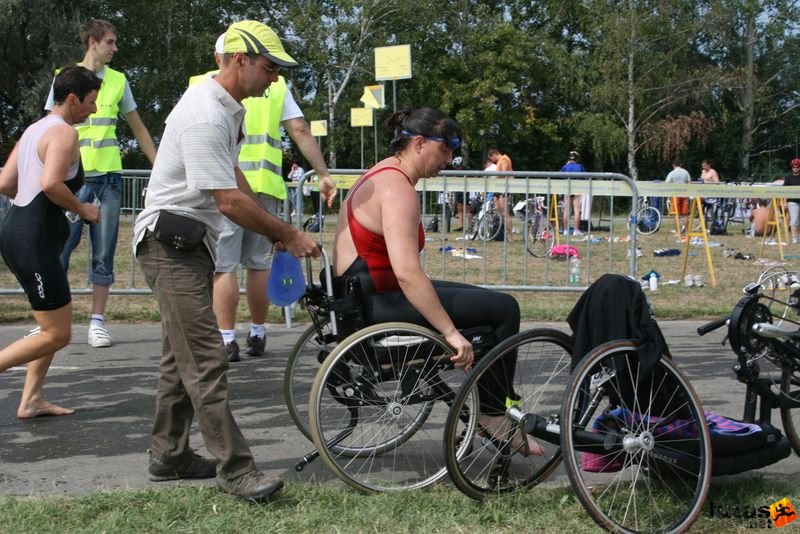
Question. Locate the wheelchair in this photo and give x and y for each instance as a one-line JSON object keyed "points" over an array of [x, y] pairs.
{"points": [[381, 393], [626, 427]]}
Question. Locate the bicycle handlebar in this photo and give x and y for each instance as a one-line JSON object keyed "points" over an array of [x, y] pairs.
{"points": [[774, 332], [713, 325]]}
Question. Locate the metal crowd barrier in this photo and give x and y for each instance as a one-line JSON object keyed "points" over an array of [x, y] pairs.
{"points": [[499, 265]]}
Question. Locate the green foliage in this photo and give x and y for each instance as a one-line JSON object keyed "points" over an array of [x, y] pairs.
{"points": [[610, 78]]}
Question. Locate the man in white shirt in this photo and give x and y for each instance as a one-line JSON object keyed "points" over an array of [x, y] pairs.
{"points": [[679, 175], [196, 182]]}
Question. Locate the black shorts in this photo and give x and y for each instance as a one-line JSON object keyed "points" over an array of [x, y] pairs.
{"points": [[31, 241]]}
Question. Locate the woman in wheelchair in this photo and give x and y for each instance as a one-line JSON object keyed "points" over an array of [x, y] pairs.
{"points": [[379, 236]]}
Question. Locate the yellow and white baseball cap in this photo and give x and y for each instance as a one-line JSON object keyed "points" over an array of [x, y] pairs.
{"points": [[253, 37]]}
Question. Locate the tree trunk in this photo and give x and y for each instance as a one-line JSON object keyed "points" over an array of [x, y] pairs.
{"points": [[331, 123], [748, 97], [632, 170]]}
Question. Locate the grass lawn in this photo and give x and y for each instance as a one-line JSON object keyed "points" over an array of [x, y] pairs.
{"points": [[324, 508]]}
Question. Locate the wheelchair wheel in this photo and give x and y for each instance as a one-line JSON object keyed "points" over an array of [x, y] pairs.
{"points": [[490, 225], [636, 445], [304, 361], [648, 220], [379, 404], [540, 236], [541, 373], [790, 410]]}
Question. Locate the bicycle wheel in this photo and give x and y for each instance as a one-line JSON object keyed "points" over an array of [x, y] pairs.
{"points": [[539, 237], [790, 409], [638, 454], [490, 225], [378, 407], [648, 220], [540, 375], [311, 349], [471, 230]]}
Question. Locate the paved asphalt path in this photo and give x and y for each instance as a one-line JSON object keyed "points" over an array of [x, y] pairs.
{"points": [[103, 446]]}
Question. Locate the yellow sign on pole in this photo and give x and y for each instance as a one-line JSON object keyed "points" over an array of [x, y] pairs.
{"points": [[360, 117], [373, 96], [319, 128], [393, 62]]}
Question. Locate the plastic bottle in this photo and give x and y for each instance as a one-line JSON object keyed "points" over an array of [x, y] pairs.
{"points": [[574, 271], [653, 282]]}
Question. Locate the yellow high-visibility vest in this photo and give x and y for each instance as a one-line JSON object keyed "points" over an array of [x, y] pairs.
{"points": [[201, 77], [97, 135], [261, 157]]}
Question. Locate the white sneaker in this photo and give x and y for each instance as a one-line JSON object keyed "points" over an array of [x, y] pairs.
{"points": [[99, 337], [34, 332], [577, 232]]}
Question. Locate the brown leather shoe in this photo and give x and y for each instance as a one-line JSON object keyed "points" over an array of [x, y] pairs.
{"points": [[189, 465], [253, 485]]}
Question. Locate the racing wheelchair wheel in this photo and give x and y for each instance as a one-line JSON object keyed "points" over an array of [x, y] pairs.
{"points": [[636, 444], [487, 464], [379, 404]]}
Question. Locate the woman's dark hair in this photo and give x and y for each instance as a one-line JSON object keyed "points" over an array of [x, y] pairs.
{"points": [[76, 80], [427, 122]]}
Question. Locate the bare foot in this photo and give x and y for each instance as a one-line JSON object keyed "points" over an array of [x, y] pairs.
{"points": [[499, 427], [41, 408]]}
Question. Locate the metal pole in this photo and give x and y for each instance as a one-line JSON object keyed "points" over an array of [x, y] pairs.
{"points": [[362, 147], [375, 134]]}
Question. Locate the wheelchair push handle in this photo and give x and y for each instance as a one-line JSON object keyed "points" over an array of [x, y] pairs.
{"points": [[328, 283], [713, 325]]}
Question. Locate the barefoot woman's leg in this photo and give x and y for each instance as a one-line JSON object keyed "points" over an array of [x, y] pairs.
{"points": [[38, 351]]}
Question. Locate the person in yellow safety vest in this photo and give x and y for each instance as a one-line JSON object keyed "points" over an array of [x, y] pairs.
{"points": [[102, 164], [261, 161]]}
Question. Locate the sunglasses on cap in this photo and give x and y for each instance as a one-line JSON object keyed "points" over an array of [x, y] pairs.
{"points": [[453, 143]]}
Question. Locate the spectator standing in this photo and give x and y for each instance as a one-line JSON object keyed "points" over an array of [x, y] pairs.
{"points": [[709, 176], [102, 165], [679, 175], [503, 164], [261, 162], [458, 197], [195, 183], [794, 203], [572, 202], [41, 175], [295, 175]]}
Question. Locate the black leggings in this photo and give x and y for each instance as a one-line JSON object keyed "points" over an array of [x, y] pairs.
{"points": [[468, 306]]}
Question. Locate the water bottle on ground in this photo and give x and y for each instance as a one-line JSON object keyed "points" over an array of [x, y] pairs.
{"points": [[574, 271], [653, 282]]}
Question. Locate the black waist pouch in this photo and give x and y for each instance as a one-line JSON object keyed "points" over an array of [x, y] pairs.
{"points": [[179, 232]]}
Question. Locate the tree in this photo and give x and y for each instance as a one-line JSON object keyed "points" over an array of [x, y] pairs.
{"points": [[754, 46]]}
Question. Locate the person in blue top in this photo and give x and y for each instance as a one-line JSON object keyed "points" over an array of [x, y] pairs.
{"points": [[572, 202]]}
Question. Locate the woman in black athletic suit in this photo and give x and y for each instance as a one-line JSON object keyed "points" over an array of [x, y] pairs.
{"points": [[41, 175]]}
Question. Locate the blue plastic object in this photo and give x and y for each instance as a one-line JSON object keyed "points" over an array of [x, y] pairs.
{"points": [[286, 283]]}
